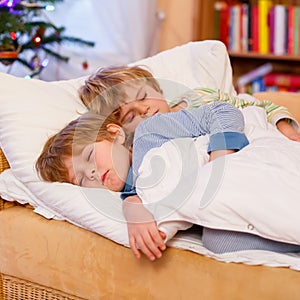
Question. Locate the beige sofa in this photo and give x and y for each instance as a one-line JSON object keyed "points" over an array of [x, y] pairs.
{"points": [[48, 259]]}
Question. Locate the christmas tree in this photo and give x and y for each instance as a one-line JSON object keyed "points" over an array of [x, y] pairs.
{"points": [[27, 36]]}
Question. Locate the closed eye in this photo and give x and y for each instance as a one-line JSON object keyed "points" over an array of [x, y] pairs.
{"points": [[90, 154], [128, 118], [144, 97]]}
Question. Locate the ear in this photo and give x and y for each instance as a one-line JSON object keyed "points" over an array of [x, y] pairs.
{"points": [[117, 132]]}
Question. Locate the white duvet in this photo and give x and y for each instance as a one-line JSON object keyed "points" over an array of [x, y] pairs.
{"points": [[256, 190]]}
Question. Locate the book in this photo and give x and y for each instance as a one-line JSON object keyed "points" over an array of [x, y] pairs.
{"points": [[258, 85], [250, 42], [235, 28], [271, 19], [290, 27], [224, 23], [296, 30], [254, 74], [282, 80], [279, 29], [263, 34], [244, 27], [254, 28]]}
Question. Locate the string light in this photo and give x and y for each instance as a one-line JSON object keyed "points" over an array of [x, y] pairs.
{"points": [[44, 63], [10, 3], [37, 39], [13, 36], [50, 7]]}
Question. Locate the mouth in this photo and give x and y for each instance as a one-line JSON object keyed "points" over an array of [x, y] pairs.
{"points": [[104, 176]]}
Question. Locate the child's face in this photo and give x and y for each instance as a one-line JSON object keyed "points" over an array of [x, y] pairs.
{"points": [[102, 164], [143, 102]]}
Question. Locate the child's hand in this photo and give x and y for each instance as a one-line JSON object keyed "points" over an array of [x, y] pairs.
{"points": [[148, 238], [288, 130], [142, 229]]}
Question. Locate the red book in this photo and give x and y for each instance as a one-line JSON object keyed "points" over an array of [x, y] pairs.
{"points": [[290, 40], [271, 19], [224, 24], [254, 28], [282, 80]]}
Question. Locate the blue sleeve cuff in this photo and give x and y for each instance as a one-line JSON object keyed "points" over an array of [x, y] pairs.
{"points": [[227, 141], [124, 195]]}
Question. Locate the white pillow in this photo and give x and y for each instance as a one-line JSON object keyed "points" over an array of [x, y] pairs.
{"points": [[33, 110]]}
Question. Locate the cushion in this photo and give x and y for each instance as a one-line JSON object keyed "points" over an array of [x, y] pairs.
{"points": [[33, 110]]}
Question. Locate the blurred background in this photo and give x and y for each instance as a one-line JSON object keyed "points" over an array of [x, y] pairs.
{"points": [[122, 31]]}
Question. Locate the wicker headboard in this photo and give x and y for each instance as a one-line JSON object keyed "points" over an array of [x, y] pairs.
{"points": [[3, 162], [3, 166]]}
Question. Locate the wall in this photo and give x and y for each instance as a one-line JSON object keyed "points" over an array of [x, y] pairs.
{"points": [[124, 31], [180, 23]]}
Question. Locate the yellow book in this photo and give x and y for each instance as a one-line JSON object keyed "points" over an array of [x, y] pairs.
{"points": [[263, 32]]}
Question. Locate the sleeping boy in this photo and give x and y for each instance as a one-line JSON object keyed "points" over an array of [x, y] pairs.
{"points": [[94, 151], [139, 96]]}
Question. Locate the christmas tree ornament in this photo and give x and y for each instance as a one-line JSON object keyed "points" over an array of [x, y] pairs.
{"points": [[85, 65], [24, 27], [8, 57]]}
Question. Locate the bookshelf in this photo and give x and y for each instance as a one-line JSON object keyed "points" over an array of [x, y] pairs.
{"points": [[243, 61]]}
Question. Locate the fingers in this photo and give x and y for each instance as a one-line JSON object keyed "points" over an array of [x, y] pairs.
{"points": [[133, 247], [149, 249], [163, 235], [149, 242]]}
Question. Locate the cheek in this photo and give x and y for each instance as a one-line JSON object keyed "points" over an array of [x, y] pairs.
{"points": [[102, 156], [121, 163], [130, 127], [162, 104]]}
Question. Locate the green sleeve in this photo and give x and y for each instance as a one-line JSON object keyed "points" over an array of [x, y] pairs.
{"points": [[201, 96]]}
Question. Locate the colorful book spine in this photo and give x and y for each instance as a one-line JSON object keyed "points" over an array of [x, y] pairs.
{"points": [[263, 10], [244, 27], [279, 29], [271, 18], [235, 28], [296, 30], [254, 28], [282, 80], [224, 23], [290, 27], [254, 74], [250, 42], [258, 85]]}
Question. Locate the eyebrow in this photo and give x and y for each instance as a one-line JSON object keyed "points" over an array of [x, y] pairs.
{"points": [[136, 95], [139, 92]]}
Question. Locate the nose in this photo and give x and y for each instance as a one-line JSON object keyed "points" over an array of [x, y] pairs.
{"points": [[142, 109]]}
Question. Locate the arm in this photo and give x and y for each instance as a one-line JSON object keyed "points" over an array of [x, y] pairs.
{"points": [[275, 113], [288, 130], [142, 229], [222, 121], [214, 120]]}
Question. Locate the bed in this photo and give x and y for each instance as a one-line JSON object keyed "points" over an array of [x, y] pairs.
{"points": [[53, 249]]}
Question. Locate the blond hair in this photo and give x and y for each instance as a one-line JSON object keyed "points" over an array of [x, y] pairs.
{"points": [[103, 92], [87, 129]]}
